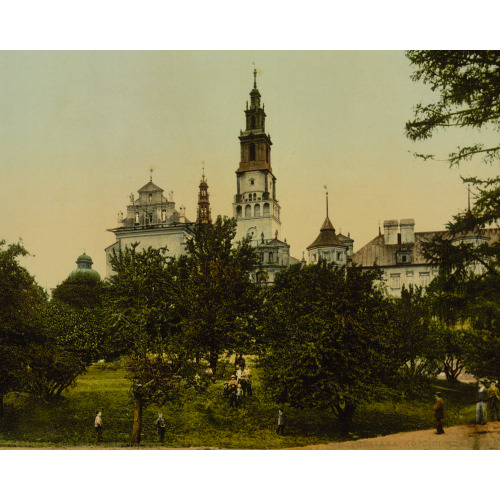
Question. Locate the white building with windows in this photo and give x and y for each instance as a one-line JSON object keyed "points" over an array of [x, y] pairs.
{"points": [[398, 252], [151, 221]]}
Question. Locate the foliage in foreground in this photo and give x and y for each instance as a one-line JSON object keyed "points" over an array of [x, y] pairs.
{"points": [[325, 332]]}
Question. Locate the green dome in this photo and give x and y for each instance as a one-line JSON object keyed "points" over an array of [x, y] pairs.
{"points": [[84, 258], [84, 274], [84, 271]]}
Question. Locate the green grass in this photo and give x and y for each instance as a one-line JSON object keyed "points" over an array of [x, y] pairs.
{"points": [[205, 420]]}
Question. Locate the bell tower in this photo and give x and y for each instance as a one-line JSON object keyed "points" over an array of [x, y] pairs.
{"points": [[255, 205]]}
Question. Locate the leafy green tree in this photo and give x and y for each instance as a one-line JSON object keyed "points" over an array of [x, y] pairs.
{"points": [[414, 338], [80, 291], [20, 298], [467, 84], [141, 300], [219, 299], [325, 339]]}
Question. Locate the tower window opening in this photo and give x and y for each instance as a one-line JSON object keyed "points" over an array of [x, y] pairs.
{"points": [[252, 121], [252, 182], [252, 152], [238, 211], [248, 211]]}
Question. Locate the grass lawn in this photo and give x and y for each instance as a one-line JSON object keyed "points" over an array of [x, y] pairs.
{"points": [[205, 419]]}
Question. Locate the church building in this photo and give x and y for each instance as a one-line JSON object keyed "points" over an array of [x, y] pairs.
{"points": [[256, 207], [152, 221]]}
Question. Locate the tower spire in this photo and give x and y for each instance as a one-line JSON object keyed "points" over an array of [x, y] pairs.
{"points": [[203, 215], [326, 189], [255, 78]]}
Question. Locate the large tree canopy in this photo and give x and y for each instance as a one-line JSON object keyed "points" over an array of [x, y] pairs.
{"points": [[325, 339], [219, 298], [467, 86]]}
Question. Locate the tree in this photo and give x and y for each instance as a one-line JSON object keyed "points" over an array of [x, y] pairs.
{"points": [[141, 299], [80, 291], [219, 299], [414, 336], [468, 84], [324, 338], [20, 298], [468, 88]]}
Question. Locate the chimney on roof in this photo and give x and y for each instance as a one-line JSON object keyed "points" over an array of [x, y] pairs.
{"points": [[391, 232], [407, 227]]}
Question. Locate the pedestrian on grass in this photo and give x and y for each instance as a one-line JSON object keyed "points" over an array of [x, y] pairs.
{"points": [[482, 398], [493, 401], [160, 428], [439, 413], [239, 395], [280, 429], [98, 427]]}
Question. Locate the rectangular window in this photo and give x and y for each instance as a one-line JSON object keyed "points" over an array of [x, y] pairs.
{"points": [[424, 279], [395, 281]]}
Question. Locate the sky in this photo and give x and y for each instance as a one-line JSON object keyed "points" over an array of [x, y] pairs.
{"points": [[81, 130]]}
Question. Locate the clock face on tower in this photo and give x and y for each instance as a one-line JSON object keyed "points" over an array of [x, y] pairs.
{"points": [[252, 231]]}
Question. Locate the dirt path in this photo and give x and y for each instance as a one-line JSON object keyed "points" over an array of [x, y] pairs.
{"points": [[463, 437]]}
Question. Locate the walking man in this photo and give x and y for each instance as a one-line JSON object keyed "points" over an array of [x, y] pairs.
{"points": [[493, 401], [439, 413], [98, 427], [482, 398], [280, 429], [160, 428]]}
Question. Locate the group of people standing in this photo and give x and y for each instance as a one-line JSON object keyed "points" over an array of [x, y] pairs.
{"points": [[488, 402], [240, 385], [487, 405]]}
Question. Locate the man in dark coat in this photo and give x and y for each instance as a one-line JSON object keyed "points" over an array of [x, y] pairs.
{"points": [[160, 428], [280, 429], [439, 413]]}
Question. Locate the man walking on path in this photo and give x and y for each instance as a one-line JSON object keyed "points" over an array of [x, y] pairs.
{"points": [[493, 401], [439, 413], [98, 427], [482, 398]]}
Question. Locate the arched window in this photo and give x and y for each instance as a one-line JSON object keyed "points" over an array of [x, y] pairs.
{"points": [[252, 121], [252, 182], [248, 211], [252, 152], [256, 211], [266, 209], [254, 196], [238, 211]]}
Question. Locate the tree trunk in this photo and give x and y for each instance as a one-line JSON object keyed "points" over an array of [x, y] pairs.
{"points": [[137, 427], [345, 417]]}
